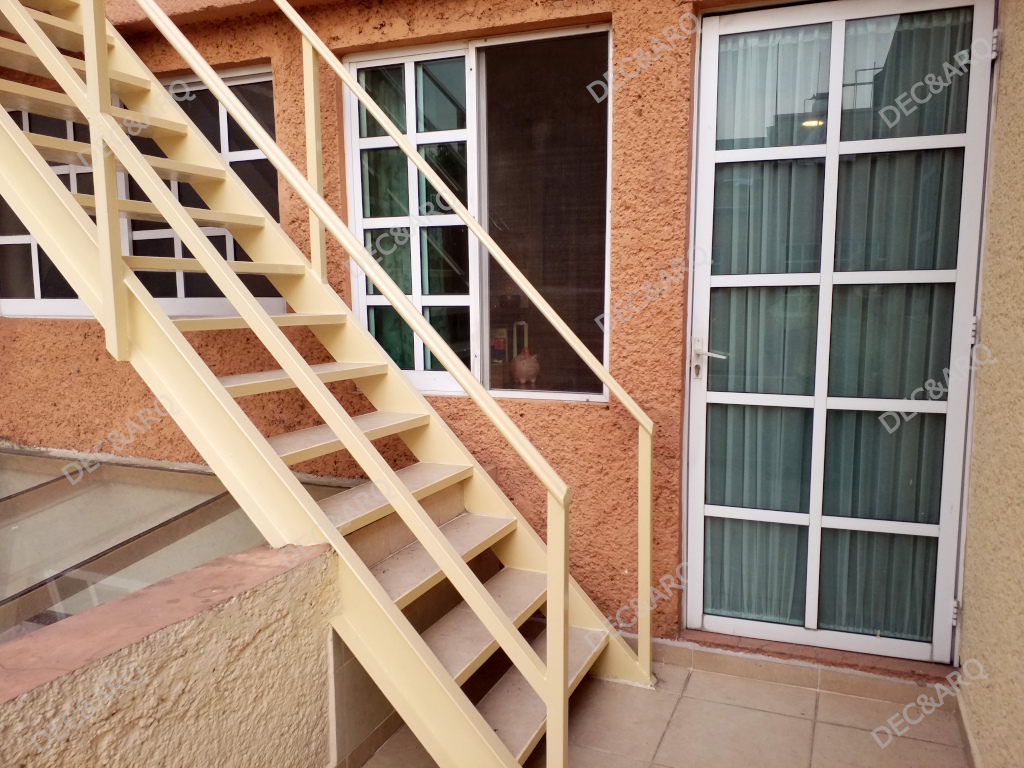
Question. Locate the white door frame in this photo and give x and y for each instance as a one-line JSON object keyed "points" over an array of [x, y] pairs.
{"points": [[964, 277]]}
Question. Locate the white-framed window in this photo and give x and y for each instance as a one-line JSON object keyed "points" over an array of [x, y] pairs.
{"points": [[509, 124], [30, 285], [840, 168]]}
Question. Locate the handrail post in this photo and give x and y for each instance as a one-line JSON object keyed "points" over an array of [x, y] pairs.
{"points": [[314, 156], [558, 634], [644, 536], [114, 292]]}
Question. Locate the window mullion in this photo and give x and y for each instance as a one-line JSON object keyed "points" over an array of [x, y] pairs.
{"points": [[828, 244]]}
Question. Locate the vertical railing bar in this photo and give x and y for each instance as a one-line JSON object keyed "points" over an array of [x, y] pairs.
{"points": [[114, 293], [557, 693], [644, 541], [314, 155]]}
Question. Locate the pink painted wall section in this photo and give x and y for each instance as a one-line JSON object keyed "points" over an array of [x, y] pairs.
{"points": [[61, 389]]}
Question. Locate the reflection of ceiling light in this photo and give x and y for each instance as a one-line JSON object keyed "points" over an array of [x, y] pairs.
{"points": [[812, 123]]}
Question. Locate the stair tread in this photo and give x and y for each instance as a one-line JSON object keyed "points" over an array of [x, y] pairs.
{"points": [[273, 381], [171, 264], [411, 571], [40, 101], [64, 34], [320, 440], [365, 503], [237, 323], [460, 640], [139, 210], [515, 711], [19, 56]]}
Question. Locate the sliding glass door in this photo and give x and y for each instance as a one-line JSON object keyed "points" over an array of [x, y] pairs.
{"points": [[839, 174]]}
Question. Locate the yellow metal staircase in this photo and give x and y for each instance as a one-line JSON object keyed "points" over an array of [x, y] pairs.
{"points": [[74, 46]]}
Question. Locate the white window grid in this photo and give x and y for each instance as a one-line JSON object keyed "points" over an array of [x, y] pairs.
{"points": [[707, 157], [441, 382], [181, 305]]}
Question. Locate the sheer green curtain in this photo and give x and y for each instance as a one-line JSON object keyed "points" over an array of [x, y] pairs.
{"points": [[899, 210], [755, 570], [874, 474], [768, 336], [773, 87], [877, 584], [885, 56], [768, 217]]}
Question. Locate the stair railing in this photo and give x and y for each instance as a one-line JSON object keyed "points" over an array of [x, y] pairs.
{"points": [[554, 688]]}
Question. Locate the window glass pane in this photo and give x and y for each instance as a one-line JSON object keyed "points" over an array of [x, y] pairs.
{"points": [[453, 325], [769, 337], [135, 193], [200, 284], [393, 334], [16, 272], [48, 126], [773, 87], [899, 210], [880, 584], [393, 252], [768, 217], [258, 98], [261, 179], [755, 570], [82, 133], [888, 340], [204, 111], [84, 182], [449, 160], [10, 224], [386, 86], [385, 179], [441, 95], [445, 258], [759, 457], [906, 75], [258, 285], [547, 177], [163, 285], [52, 284], [877, 474], [188, 197]]}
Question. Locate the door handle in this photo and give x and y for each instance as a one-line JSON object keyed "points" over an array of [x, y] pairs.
{"points": [[699, 356]]}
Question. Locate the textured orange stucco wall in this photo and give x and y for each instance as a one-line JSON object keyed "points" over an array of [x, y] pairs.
{"points": [[61, 389]]}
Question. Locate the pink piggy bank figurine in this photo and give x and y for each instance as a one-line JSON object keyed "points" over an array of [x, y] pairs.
{"points": [[524, 367]]}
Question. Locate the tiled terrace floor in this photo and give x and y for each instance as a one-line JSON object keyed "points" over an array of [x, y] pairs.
{"points": [[700, 719]]}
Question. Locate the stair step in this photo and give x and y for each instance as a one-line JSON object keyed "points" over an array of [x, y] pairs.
{"points": [[20, 57], [261, 382], [142, 211], [292, 319], [461, 641], [170, 264], [411, 571], [51, 6], [67, 152], [309, 443], [365, 504], [515, 711], [39, 101], [64, 34]]}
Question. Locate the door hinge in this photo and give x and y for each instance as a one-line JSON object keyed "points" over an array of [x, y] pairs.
{"points": [[997, 35], [956, 612], [975, 330]]}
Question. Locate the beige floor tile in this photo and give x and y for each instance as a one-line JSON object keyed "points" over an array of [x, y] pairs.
{"points": [[619, 718], [838, 747], [706, 734], [582, 757], [867, 714], [755, 694], [671, 679], [758, 669]]}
